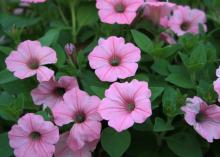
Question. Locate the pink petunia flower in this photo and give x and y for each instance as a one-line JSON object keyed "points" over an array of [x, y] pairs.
{"points": [[217, 83], [33, 136], [126, 103], [118, 11], [33, 1], [63, 150], [29, 59], [113, 59], [80, 108], [204, 118], [156, 11], [185, 20], [49, 93]]}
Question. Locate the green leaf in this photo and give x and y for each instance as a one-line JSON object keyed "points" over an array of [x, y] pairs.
{"points": [[5, 149], [184, 145], [180, 80], [160, 125], [13, 110], [161, 66], [156, 92], [7, 21], [50, 37], [142, 41], [114, 143], [171, 101], [99, 91], [86, 15], [198, 58], [61, 55], [6, 77], [5, 50]]}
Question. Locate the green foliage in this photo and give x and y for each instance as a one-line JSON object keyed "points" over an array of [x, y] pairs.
{"points": [[115, 143]]}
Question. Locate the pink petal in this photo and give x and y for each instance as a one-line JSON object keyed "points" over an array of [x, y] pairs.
{"points": [[44, 74]]}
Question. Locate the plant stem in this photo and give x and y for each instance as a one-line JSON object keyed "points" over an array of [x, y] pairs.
{"points": [[61, 13], [73, 14]]}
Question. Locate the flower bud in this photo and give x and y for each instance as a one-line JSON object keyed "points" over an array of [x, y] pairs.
{"points": [[69, 48]]}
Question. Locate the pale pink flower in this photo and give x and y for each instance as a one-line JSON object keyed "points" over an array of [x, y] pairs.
{"points": [[80, 108], [118, 11], [185, 20], [63, 150], [217, 83], [29, 59], [113, 59], [204, 118], [49, 93], [125, 104], [33, 1], [33, 137], [155, 11]]}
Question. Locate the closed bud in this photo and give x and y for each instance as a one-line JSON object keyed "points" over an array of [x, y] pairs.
{"points": [[69, 48]]}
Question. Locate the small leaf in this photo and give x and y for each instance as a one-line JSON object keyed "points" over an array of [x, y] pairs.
{"points": [[142, 41], [6, 77], [156, 91], [50, 37], [180, 79], [160, 125], [99, 91], [161, 66], [114, 143]]}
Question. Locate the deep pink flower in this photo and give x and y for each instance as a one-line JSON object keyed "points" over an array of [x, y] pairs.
{"points": [[29, 59], [33, 136], [118, 11], [204, 118], [126, 103], [113, 59], [155, 11], [63, 150], [33, 1], [185, 20], [49, 93], [80, 108]]}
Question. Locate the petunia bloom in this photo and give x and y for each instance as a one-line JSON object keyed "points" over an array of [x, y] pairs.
{"points": [[125, 104], [118, 11], [113, 59], [33, 1], [156, 11], [82, 109], [33, 136], [63, 150], [29, 59], [204, 118], [186, 20], [217, 83], [49, 93]]}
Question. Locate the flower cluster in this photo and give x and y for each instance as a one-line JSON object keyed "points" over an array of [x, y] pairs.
{"points": [[115, 61]]}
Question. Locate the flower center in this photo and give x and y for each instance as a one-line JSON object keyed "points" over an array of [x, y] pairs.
{"points": [[80, 117], [130, 107], [120, 8], [200, 117], [185, 26], [60, 91], [33, 64], [115, 61], [35, 135]]}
